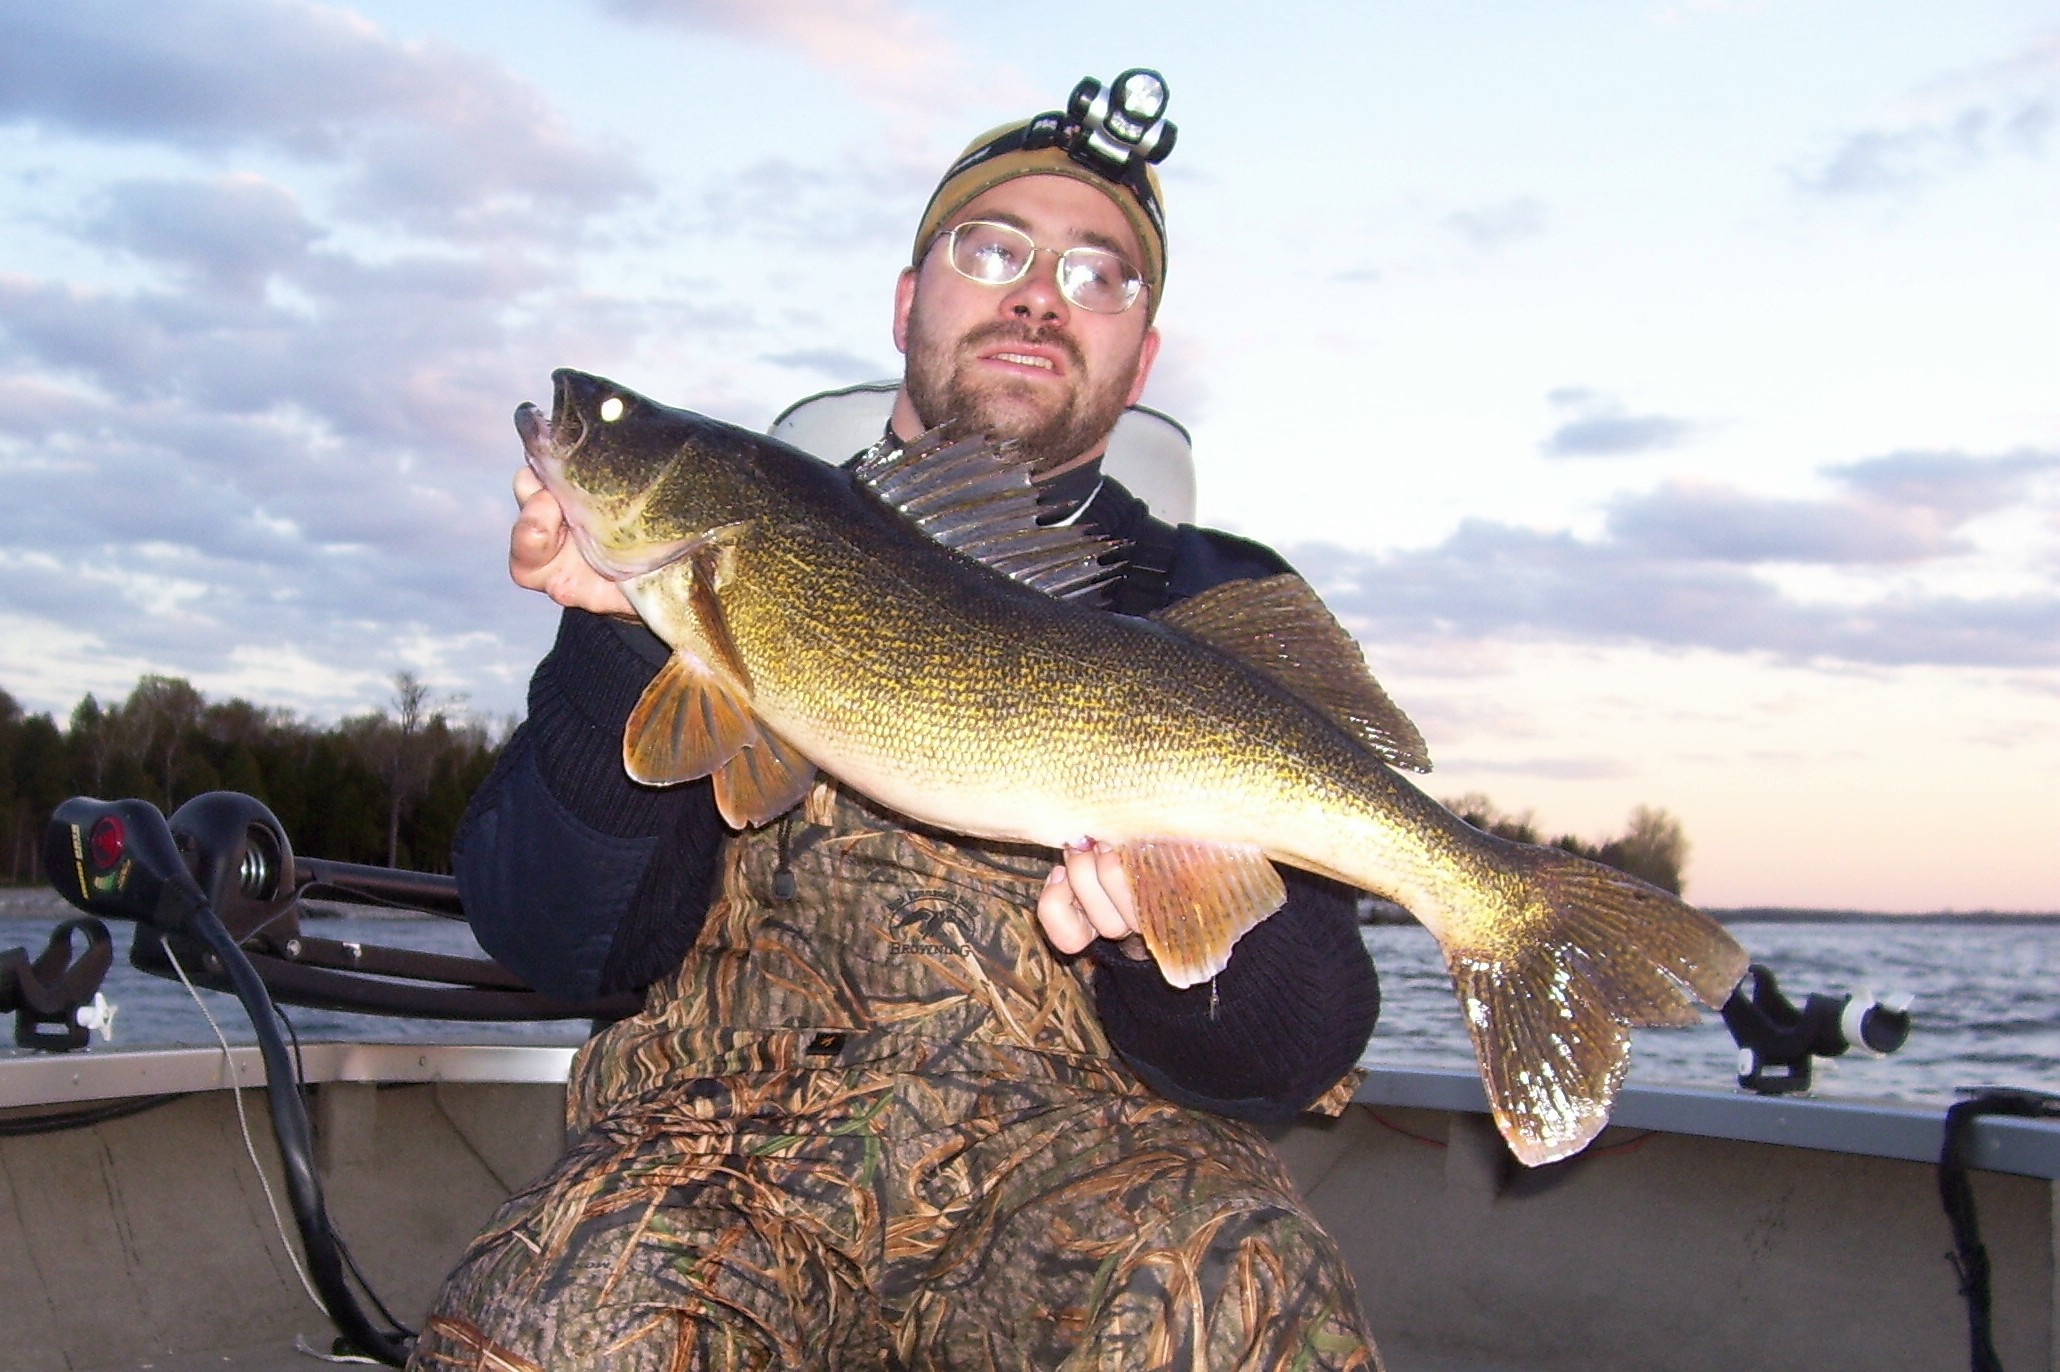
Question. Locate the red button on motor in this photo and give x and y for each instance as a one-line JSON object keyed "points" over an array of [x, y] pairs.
{"points": [[107, 841]]}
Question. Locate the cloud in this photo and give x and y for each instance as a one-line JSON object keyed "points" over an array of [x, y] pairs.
{"points": [[1684, 567], [1683, 520], [234, 232], [1602, 427], [264, 436], [1949, 485], [834, 363], [198, 468], [1964, 121], [1490, 580], [421, 135], [1557, 768], [1489, 227], [1899, 508], [859, 198]]}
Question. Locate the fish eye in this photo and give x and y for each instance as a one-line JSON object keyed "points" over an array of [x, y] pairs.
{"points": [[611, 409]]}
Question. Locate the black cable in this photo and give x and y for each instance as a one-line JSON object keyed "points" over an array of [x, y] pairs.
{"points": [[300, 1066], [21, 1126], [320, 1244], [1970, 1256], [350, 1261]]}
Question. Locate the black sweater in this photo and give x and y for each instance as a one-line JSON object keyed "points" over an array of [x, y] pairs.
{"points": [[584, 882]]}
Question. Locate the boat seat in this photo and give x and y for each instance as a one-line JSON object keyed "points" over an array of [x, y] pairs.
{"points": [[1150, 453]]}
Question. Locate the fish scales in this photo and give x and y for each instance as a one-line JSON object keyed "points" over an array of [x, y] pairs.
{"points": [[1023, 698], [818, 625]]}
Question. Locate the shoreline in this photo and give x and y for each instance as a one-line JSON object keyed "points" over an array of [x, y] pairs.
{"points": [[1384, 912], [41, 902], [1756, 914]]}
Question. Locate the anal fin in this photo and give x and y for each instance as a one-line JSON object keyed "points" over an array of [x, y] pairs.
{"points": [[687, 723], [765, 778], [1195, 900]]}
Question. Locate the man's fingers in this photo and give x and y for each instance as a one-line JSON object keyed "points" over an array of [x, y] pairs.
{"points": [[542, 558], [1115, 885], [1063, 922], [537, 539], [1101, 889], [1087, 896]]}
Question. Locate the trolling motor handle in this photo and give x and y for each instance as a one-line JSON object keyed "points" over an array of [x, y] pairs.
{"points": [[117, 858]]}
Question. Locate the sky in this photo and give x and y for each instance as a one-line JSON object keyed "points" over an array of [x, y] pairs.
{"points": [[1666, 393]]}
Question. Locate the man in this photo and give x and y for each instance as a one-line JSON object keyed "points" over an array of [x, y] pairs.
{"points": [[896, 1100]]}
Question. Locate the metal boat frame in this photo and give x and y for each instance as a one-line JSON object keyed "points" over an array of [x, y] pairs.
{"points": [[1703, 1230]]}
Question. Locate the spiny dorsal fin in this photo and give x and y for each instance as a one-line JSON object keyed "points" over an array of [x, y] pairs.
{"points": [[969, 496], [1278, 625]]}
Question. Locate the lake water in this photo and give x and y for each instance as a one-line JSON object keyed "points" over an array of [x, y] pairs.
{"points": [[1987, 1009]]}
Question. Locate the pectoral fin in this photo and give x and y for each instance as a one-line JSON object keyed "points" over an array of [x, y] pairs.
{"points": [[1194, 900], [687, 723], [764, 778], [713, 565]]}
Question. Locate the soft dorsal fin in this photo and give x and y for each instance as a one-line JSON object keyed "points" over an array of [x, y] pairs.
{"points": [[969, 496], [1278, 625]]}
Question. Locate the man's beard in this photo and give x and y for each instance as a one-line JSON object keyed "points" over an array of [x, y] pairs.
{"points": [[942, 391]]}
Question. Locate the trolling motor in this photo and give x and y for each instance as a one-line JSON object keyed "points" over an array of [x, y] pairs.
{"points": [[1777, 1039], [119, 858], [216, 894]]}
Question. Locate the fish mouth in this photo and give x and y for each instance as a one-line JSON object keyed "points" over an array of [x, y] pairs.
{"points": [[549, 446]]}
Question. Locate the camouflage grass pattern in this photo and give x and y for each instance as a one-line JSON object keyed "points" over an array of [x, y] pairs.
{"points": [[876, 1125]]}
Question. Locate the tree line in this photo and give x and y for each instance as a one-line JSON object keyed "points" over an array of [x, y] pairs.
{"points": [[385, 787], [388, 787], [1652, 846]]}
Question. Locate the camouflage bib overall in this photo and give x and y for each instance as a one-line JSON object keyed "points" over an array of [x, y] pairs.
{"points": [[872, 1122]]}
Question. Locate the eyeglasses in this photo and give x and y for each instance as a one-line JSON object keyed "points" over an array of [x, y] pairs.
{"points": [[994, 254]]}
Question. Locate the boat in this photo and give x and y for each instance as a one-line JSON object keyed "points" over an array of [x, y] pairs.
{"points": [[1704, 1229]]}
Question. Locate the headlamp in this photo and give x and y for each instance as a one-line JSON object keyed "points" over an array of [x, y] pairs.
{"points": [[1121, 126]]}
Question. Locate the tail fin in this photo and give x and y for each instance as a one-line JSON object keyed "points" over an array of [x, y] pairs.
{"points": [[1550, 1001]]}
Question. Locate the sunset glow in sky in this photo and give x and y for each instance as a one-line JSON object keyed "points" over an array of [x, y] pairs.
{"points": [[1666, 392]]}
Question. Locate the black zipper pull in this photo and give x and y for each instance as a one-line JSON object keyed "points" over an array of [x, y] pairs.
{"points": [[783, 883]]}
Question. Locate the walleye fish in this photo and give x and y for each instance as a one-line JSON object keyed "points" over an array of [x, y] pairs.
{"points": [[913, 633]]}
